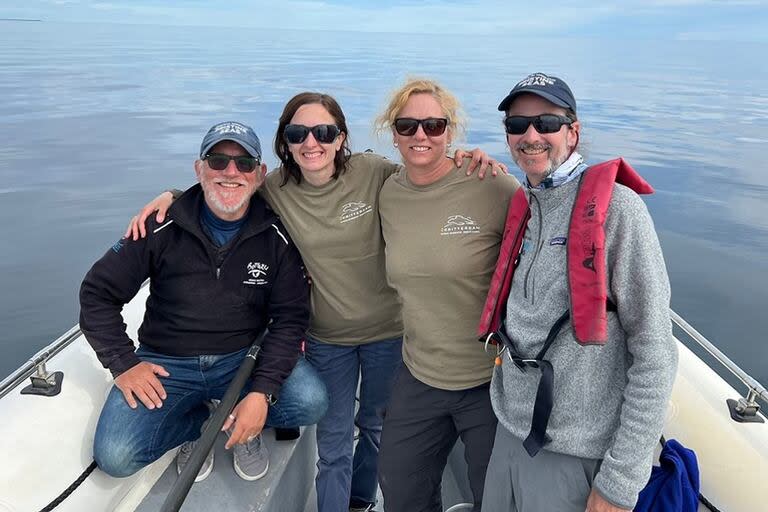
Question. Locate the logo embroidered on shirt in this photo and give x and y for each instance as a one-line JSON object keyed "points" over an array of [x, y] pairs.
{"points": [[459, 225], [558, 240], [258, 272], [354, 210]]}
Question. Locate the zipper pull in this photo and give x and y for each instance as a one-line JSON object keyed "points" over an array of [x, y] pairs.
{"points": [[218, 272]]}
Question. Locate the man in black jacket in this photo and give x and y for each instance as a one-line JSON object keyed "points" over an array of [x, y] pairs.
{"points": [[221, 269]]}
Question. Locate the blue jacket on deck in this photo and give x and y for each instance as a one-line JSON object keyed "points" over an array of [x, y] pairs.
{"points": [[674, 485]]}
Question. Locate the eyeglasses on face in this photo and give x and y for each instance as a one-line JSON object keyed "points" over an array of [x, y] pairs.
{"points": [[432, 126], [219, 162], [544, 123], [323, 133]]}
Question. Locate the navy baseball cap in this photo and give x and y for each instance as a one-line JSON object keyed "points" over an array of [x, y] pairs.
{"points": [[548, 87], [236, 132]]}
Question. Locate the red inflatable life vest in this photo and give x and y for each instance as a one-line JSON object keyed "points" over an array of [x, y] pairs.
{"points": [[585, 252]]}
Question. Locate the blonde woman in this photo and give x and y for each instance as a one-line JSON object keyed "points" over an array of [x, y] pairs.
{"points": [[442, 232]]}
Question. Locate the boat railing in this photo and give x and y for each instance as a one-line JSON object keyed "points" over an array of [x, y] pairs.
{"points": [[745, 407], [43, 381], [35, 367]]}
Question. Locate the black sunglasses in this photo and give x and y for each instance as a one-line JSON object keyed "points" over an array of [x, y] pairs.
{"points": [[219, 162], [544, 123], [432, 126], [323, 133]]}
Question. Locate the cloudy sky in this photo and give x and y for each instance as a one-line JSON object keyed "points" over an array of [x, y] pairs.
{"points": [[742, 20]]}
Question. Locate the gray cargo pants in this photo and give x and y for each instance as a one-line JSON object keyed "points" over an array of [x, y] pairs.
{"points": [[548, 482]]}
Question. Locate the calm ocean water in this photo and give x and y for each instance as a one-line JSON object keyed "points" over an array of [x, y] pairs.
{"points": [[97, 119]]}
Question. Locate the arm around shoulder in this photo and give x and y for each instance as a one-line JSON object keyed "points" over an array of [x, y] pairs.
{"points": [[373, 162]]}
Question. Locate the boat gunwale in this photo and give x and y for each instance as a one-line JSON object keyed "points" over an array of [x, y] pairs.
{"points": [[27, 369], [30, 367], [754, 388]]}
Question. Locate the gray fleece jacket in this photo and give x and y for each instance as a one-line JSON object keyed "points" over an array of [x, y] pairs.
{"points": [[609, 401]]}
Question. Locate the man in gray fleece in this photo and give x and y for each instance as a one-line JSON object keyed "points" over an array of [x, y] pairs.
{"points": [[608, 399]]}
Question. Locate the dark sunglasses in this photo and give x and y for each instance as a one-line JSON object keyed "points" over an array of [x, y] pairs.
{"points": [[323, 133], [545, 123], [432, 126], [219, 162]]}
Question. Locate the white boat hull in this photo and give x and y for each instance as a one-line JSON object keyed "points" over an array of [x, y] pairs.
{"points": [[46, 442]]}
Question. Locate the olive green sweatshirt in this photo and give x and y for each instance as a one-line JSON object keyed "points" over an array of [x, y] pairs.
{"points": [[442, 243], [337, 231]]}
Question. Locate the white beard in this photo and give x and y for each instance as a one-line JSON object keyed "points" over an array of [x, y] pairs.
{"points": [[213, 194]]}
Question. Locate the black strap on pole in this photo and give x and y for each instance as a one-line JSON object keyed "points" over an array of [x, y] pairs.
{"points": [[183, 484]]}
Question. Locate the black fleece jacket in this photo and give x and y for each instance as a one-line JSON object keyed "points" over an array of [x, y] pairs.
{"points": [[203, 299]]}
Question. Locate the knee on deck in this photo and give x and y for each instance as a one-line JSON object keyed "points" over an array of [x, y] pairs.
{"points": [[115, 459]]}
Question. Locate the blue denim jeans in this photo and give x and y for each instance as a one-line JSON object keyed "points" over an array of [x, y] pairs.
{"points": [[341, 474], [128, 439]]}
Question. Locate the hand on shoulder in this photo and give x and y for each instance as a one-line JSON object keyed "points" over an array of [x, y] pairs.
{"points": [[137, 227]]}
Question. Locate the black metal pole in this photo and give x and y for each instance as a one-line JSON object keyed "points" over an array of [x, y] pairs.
{"points": [[180, 489]]}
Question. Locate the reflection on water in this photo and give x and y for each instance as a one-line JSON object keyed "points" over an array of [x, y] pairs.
{"points": [[96, 119]]}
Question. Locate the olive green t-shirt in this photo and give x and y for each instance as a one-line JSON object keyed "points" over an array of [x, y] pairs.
{"points": [[442, 243], [337, 230]]}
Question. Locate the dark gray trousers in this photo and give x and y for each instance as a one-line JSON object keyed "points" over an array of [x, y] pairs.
{"points": [[548, 482], [421, 426]]}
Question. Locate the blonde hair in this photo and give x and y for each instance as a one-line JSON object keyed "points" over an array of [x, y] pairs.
{"points": [[448, 103]]}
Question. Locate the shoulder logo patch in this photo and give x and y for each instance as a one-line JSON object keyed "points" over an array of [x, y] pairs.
{"points": [[118, 245], [257, 272], [354, 210], [459, 225]]}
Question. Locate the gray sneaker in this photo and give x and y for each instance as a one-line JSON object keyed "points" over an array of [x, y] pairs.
{"points": [[185, 452], [183, 457], [251, 459]]}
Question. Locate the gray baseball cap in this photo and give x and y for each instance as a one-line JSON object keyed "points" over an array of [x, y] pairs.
{"points": [[234, 131], [550, 88]]}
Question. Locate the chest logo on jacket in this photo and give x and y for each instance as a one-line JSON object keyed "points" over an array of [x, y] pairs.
{"points": [[558, 240], [459, 225], [354, 210], [258, 273]]}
